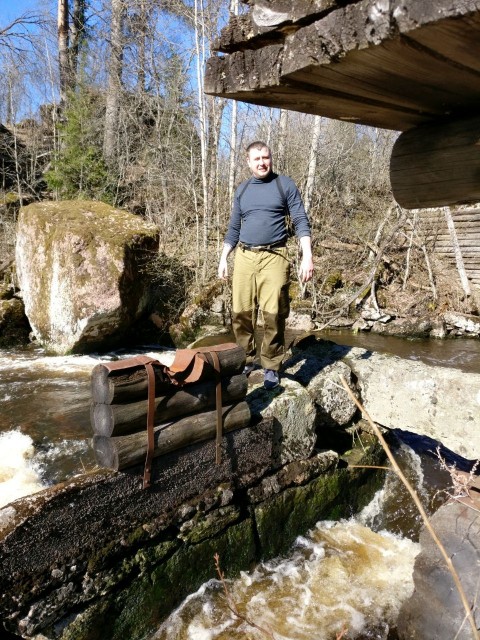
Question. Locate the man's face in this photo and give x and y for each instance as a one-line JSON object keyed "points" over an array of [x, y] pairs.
{"points": [[259, 162]]}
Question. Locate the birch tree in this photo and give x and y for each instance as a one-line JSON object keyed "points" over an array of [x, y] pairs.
{"points": [[112, 106], [312, 162]]}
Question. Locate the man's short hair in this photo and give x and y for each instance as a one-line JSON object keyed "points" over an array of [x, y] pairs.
{"points": [[259, 145]]}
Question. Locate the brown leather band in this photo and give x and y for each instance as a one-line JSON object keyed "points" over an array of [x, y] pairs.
{"points": [[128, 363], [193, 361], [150, 419], [218, 401]]}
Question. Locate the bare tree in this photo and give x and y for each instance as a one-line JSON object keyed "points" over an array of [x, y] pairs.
{"points": [[312, 162], [63, 46], [114, 81]]}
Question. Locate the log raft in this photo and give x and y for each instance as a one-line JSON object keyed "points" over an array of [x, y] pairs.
{"points": [[119, 419], [126, 451], [183, 414]]}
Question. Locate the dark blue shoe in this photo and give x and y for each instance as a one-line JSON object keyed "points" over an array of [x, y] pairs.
{"points": [[271, 379]]}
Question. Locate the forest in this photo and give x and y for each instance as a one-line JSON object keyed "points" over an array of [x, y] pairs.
{"points": [[103, 100]]}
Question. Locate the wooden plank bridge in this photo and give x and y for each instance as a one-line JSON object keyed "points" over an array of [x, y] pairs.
{"points": [[405, 65]]}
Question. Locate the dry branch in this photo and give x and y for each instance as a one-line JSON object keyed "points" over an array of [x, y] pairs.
{"points": [[421, 510]]}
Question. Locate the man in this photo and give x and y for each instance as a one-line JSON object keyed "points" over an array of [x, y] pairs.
{"points": [[261, 272]]}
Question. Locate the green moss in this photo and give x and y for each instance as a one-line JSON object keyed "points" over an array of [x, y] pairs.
{"points": [[334, 495], [150, 598]]}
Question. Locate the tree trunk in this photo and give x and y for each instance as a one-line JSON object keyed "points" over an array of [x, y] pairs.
{"points": [[77, 31], [437, 165], [126, 451], [63, 52], [312, 163], [458, 252], [120, 419], [112, 108], [232, 163], [281, 160]]}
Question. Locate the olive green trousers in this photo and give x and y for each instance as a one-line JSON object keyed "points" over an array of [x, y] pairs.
{"points": [[261, 281]]}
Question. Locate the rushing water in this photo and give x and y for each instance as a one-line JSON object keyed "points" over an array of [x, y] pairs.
{"points": [[342, 579], [350, 576]]}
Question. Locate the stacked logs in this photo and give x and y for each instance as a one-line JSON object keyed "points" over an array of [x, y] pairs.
{"points": [[183, 413]]}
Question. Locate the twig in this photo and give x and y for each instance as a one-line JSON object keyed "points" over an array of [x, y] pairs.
{"points": [[341, 633], [460, 480], [232, 605], [421, 510]]}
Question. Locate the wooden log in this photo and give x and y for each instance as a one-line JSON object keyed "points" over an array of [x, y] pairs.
{"points": [[120, 419], [125, 451], [464, 243], [437, 165], [129, 385]]}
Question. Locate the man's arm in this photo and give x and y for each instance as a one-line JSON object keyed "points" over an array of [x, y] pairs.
{"points": [[305, 272], [222, 265]]}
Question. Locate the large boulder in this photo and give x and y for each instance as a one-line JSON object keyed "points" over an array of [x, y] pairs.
{"points": [[438, 402], [435, 611], [79, 267]]}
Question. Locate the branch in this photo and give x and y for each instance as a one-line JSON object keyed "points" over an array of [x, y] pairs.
{"points": [[421, 510], [231, 604]]}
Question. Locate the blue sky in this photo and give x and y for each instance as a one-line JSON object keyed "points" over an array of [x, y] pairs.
{"points": [[11, 9]]}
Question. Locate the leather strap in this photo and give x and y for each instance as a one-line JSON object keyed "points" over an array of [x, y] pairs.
{"points": [[150, 419], [184, 358], [128, 363], [218, 402], [193, 361]]}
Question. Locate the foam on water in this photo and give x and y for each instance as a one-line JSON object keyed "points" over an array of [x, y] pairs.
{"points": [[19, 473], [342, 576]]}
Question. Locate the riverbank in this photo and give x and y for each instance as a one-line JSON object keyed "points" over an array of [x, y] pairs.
{"points": [[108, 564]]}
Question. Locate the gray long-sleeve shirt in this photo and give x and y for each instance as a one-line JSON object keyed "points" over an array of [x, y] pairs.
{"points": [[258, 213]]}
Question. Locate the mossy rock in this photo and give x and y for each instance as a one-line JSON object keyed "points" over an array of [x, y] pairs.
{"points": [[79, 266], [148, 599]]}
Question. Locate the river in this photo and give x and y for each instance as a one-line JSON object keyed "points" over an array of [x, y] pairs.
{"points": [[342, 579]]}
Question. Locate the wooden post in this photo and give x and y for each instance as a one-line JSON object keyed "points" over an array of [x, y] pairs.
{"points": [[437, 165]]}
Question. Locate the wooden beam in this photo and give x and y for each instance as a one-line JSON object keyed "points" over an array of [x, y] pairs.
{"points": [[437, 165]]}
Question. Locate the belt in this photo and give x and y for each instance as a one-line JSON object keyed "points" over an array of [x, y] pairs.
{"points": [[262, 247]]}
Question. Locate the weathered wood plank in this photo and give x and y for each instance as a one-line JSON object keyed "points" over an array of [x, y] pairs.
{"points": [[352, 63], [458, 44], [437, 165], [465, 243], [268, 21]]}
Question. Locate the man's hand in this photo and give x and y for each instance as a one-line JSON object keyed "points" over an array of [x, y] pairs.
{"points": [[222, 265], [305, 273]]}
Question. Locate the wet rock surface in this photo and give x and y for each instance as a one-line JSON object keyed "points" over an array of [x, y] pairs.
{"points": [[293, 413], [435, 611]]}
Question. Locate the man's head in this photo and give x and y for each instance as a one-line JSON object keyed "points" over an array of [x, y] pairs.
{"points": [[259, 159]]}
